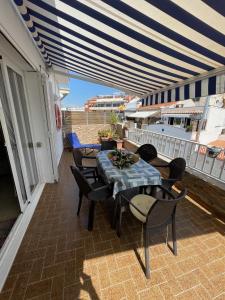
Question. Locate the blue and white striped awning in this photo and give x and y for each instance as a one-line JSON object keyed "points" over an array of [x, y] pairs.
{"points": [[162, 50]]}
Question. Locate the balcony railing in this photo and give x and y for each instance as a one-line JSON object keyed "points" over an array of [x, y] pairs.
{"points": [[195, 154], [102, 108]]}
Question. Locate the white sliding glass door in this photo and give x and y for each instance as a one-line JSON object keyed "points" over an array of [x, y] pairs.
{"points": [[17, 129], [11, 144], [19, 101]]}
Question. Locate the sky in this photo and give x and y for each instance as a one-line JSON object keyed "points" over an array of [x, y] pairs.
{"points": [[81, 91]]}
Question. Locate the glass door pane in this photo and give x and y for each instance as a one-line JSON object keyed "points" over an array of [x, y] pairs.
{"points": [[12, 138], [20, 105]]}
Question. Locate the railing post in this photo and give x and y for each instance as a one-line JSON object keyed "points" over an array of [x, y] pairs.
{"points": [[87, 118], [222, 168], [197, 155], [203, 163], [174, 147]]}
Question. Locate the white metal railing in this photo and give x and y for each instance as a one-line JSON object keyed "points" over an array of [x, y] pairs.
{"points": [[195, 154]]}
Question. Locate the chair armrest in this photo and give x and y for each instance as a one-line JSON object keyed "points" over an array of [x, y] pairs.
{"points": [[101, 188], [88, 170], [160, 166], [170, 180], [89, 157], [130, 203], [100, 193], [166, 191]]}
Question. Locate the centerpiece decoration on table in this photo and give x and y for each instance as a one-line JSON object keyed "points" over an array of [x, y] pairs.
{"points": [[122, 159]]}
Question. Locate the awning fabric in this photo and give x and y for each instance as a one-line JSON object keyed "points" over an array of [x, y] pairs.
{"points": [[144, 114], [143, 47]]}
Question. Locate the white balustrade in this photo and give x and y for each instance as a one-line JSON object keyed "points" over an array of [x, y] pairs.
{"points": [[195, 154]]}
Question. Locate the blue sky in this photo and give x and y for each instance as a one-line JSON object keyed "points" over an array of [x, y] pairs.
{"points": [[80, 91]]}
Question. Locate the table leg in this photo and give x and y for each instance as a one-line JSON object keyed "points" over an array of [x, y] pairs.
{"points": [[115, 211], [153, 190]]}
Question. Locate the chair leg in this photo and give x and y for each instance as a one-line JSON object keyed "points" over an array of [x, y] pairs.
{"points": [[114, 218], [174, 236], [119, 223], [80, 202], [94, 176], [91, 215], [146, 246]]}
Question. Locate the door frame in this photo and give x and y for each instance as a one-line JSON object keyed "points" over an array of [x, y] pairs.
{"points": [[6, 62], [50, 122], [11, 158]]}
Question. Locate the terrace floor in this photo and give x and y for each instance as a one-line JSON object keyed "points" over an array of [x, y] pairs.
{"points": [[60, 259]]}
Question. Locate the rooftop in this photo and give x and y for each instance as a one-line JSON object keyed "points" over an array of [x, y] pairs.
{"points": [[218, 143], [183, 110], [157, 106]]}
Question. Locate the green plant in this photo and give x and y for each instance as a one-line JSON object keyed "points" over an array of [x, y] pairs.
{"points": [[189, 128], [121, 159], [108, 133], [103, 133], [114, 119]]}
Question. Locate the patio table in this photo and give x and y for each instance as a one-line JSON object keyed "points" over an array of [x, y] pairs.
{"points": [[138, 174]]}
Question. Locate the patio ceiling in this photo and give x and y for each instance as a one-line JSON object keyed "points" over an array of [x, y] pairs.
{"points": [[150, 48]]}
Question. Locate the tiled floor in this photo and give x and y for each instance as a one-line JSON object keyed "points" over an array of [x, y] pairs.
{"points": [[60, 259]]}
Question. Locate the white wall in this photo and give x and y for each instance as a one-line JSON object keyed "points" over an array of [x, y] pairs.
{"points": [[55, 99], [215, 119], [215, 124]]}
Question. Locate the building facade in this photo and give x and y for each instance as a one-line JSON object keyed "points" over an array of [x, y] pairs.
{"points": [[108, 103], [201, 120]]}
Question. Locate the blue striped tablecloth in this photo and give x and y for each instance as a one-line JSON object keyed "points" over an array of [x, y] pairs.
{"points": [[138, 174]]}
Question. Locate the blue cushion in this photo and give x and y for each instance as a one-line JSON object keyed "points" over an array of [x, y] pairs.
{"points": [[75, 143]]}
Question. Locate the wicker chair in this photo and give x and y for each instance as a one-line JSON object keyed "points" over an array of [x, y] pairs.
{"points": [[87, 171], [147, 152], [176, 172], [94, 192], [154, 214]]}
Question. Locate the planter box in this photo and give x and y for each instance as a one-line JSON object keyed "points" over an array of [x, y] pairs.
{"points": [[213, 152], [119, 142], [103, 139]]}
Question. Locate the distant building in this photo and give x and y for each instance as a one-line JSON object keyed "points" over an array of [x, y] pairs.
{"points": [[142, 117], [78, 108], [132, 106], [108, 103], [192, 119]]}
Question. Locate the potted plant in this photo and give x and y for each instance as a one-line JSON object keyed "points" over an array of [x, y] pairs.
{"points": [[118, 140], [213, 152], [103, 135], [125, 131], [189, 128], [122, 159], [114, 119]]}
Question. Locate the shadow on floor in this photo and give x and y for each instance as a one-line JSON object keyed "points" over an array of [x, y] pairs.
{"points": [[60, 259]]}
